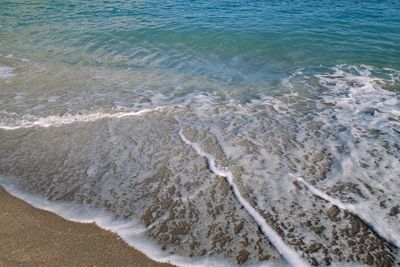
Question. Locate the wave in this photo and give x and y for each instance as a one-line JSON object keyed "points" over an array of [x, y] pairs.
{"points": [[54, 121], [287, 252], [331, 130], [360, 210]]}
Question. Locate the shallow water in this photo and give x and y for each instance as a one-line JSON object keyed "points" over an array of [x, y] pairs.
{"points": [[210, 133]]}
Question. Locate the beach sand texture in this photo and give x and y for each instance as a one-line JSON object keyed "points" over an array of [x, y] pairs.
{"points": [[33, 237]]}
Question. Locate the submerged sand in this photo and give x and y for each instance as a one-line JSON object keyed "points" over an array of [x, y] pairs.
{"points": [[33, 237]]}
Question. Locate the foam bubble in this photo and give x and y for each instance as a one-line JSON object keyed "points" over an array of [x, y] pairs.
{"points": [[6, 72]]}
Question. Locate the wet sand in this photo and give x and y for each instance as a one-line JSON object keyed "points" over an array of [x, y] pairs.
{"points": [[33, 237]]}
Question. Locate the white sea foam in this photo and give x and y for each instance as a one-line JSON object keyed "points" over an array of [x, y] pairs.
{"points": [[289, 254], [53, 121], [6, 72], [360, 210], [364, 108], [349, 117]]}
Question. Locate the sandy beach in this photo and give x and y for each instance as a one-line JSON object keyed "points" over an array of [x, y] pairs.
{"points": [[33, 237]]}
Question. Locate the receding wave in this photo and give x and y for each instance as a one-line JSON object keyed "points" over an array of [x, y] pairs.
{"points": [[304, 176]]}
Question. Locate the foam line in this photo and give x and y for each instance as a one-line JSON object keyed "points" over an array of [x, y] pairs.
{"points": [[131, 231], [53, 121], [289, 254], [379, 226]]}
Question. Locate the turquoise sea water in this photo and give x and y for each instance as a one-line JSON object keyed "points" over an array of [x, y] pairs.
{"points": [[252, 40], [210, 132]]}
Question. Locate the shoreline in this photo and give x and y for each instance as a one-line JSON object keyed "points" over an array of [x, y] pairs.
{"points": [[32, 236]]}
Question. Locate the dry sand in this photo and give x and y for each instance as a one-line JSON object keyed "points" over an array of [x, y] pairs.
{"points": [[33, 237]]}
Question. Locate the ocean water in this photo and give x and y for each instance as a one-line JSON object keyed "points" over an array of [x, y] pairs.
{"points": [[210, 133]]}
